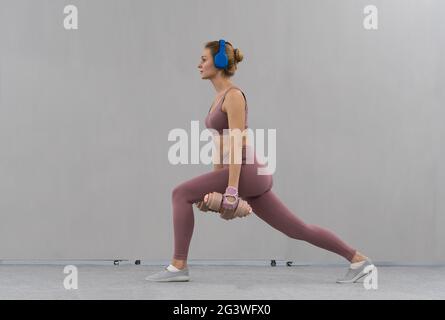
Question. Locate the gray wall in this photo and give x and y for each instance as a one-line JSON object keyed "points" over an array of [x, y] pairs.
{"points": [[84, 119]]}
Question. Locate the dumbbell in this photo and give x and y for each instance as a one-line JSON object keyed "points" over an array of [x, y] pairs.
{"points": [[214, 203]]}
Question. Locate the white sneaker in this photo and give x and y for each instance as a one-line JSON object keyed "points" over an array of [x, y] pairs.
{"points": [[353, 275], [170, 276]]}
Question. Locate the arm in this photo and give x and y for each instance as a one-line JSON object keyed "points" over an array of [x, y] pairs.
{"points": [[235, 108]]}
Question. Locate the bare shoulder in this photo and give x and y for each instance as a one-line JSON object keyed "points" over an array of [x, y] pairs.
{"points": [[234, 101]]}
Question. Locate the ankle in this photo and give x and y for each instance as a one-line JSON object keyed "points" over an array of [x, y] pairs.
{"points": [[358, 257], [180, 264]]}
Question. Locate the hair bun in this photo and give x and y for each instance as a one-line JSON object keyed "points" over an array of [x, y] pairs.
{"points": [[238, 55]]}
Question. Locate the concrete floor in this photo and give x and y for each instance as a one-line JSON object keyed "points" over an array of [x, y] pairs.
{"points": [[218, 282]]}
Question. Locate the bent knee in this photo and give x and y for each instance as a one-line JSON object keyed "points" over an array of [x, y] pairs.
{"points": [[178, 192]]}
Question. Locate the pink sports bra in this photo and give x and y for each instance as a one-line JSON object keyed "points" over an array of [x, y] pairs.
{"points": [[217, 119]]}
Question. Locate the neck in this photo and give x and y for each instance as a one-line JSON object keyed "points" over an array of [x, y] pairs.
{"points": [[221, 84]]}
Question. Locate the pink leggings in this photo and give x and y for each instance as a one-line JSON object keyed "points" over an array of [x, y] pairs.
{"points": [[256, 190]]}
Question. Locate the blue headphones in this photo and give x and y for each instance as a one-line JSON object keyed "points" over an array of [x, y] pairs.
{"points": [[220, 59]]}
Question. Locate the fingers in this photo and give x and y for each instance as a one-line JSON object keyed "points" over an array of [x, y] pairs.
{"points": [[227, 214]]}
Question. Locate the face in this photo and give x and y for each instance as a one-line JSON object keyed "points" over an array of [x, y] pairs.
{"points": [[206, 67]]}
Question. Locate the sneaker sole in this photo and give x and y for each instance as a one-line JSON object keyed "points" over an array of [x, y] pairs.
{"points": [[176, 279]]}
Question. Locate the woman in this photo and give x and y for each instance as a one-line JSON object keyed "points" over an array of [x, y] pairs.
{"points": [[233, 179]]}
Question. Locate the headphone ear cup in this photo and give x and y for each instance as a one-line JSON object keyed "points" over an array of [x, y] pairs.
{"points": [[220, 59]]}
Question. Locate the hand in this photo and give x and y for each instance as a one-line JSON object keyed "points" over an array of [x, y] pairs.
{"points": [[224, 212], [227, 214], [230, 198]]}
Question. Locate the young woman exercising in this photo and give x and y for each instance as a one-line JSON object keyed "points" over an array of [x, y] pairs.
{"points": [[239, 180]]}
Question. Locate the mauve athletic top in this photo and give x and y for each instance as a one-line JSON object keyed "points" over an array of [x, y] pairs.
{"points": [[217, 119]]}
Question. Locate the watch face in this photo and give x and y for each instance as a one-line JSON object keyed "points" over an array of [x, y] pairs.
{"points": [[231, 191]]}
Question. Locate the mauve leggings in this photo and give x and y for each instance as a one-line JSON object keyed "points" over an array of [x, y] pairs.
{"points": [[256, 190]]}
